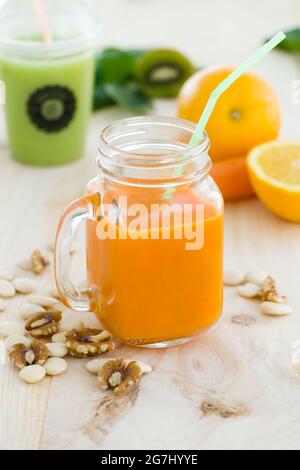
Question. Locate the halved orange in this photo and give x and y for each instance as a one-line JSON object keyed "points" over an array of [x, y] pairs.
{"points": [[274, 170]]}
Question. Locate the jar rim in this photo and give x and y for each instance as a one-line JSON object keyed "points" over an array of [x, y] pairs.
{"points": [[184, 124], [153, 148]]}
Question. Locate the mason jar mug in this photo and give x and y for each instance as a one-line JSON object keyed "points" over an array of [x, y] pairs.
{"points": [[154, 235]]}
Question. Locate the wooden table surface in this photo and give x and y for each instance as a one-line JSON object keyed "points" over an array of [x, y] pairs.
{"points": [[233, 387]]}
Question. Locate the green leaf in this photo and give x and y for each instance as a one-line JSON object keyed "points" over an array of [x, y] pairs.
{"points": [[101, 98], [292, 41], [129, 96], [115, 66]]}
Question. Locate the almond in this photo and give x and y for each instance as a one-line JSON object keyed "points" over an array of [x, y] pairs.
{"points": [[249, 290], [6, 274], [25, 286], [57, 349], [27, 310], [275, 309], [41, 300], [7, 290], [256, 276], [32, 374], [8, 328], [55, 366], [233, 277], [12, 340]]}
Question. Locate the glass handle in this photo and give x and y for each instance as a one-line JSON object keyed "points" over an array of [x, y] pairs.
{"points": [[78, 212]]}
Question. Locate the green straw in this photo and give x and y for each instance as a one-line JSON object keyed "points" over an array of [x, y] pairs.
{"points": [[221, 88]]}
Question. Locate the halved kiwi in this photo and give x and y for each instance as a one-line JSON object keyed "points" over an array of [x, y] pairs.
{"points": [[162, 72]]}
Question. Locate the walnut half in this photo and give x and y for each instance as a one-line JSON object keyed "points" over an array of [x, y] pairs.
{"points": [[23, 356], [44, 324], [39, 262], [119, 375], [269, 292], [88, 342]]}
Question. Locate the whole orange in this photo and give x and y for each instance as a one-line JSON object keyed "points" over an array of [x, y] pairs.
{"points": [[247, 114]]}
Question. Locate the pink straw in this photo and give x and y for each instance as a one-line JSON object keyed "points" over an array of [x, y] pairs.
{"points": [[42, 20]]}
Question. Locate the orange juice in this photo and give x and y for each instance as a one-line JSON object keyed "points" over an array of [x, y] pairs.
{"points": [[155, 290], [154, 235]]}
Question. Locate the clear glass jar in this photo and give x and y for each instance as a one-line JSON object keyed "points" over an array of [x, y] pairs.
{"points": [[154, 235]]}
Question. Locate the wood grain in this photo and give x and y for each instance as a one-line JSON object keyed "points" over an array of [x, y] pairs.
{"points": [[233, 387]]}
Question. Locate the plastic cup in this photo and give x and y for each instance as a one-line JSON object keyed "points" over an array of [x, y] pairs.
{"points": [[48, 84]]}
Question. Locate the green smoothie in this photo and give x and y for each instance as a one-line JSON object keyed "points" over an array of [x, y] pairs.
{"points": [[48, 78], [48, 103]]}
